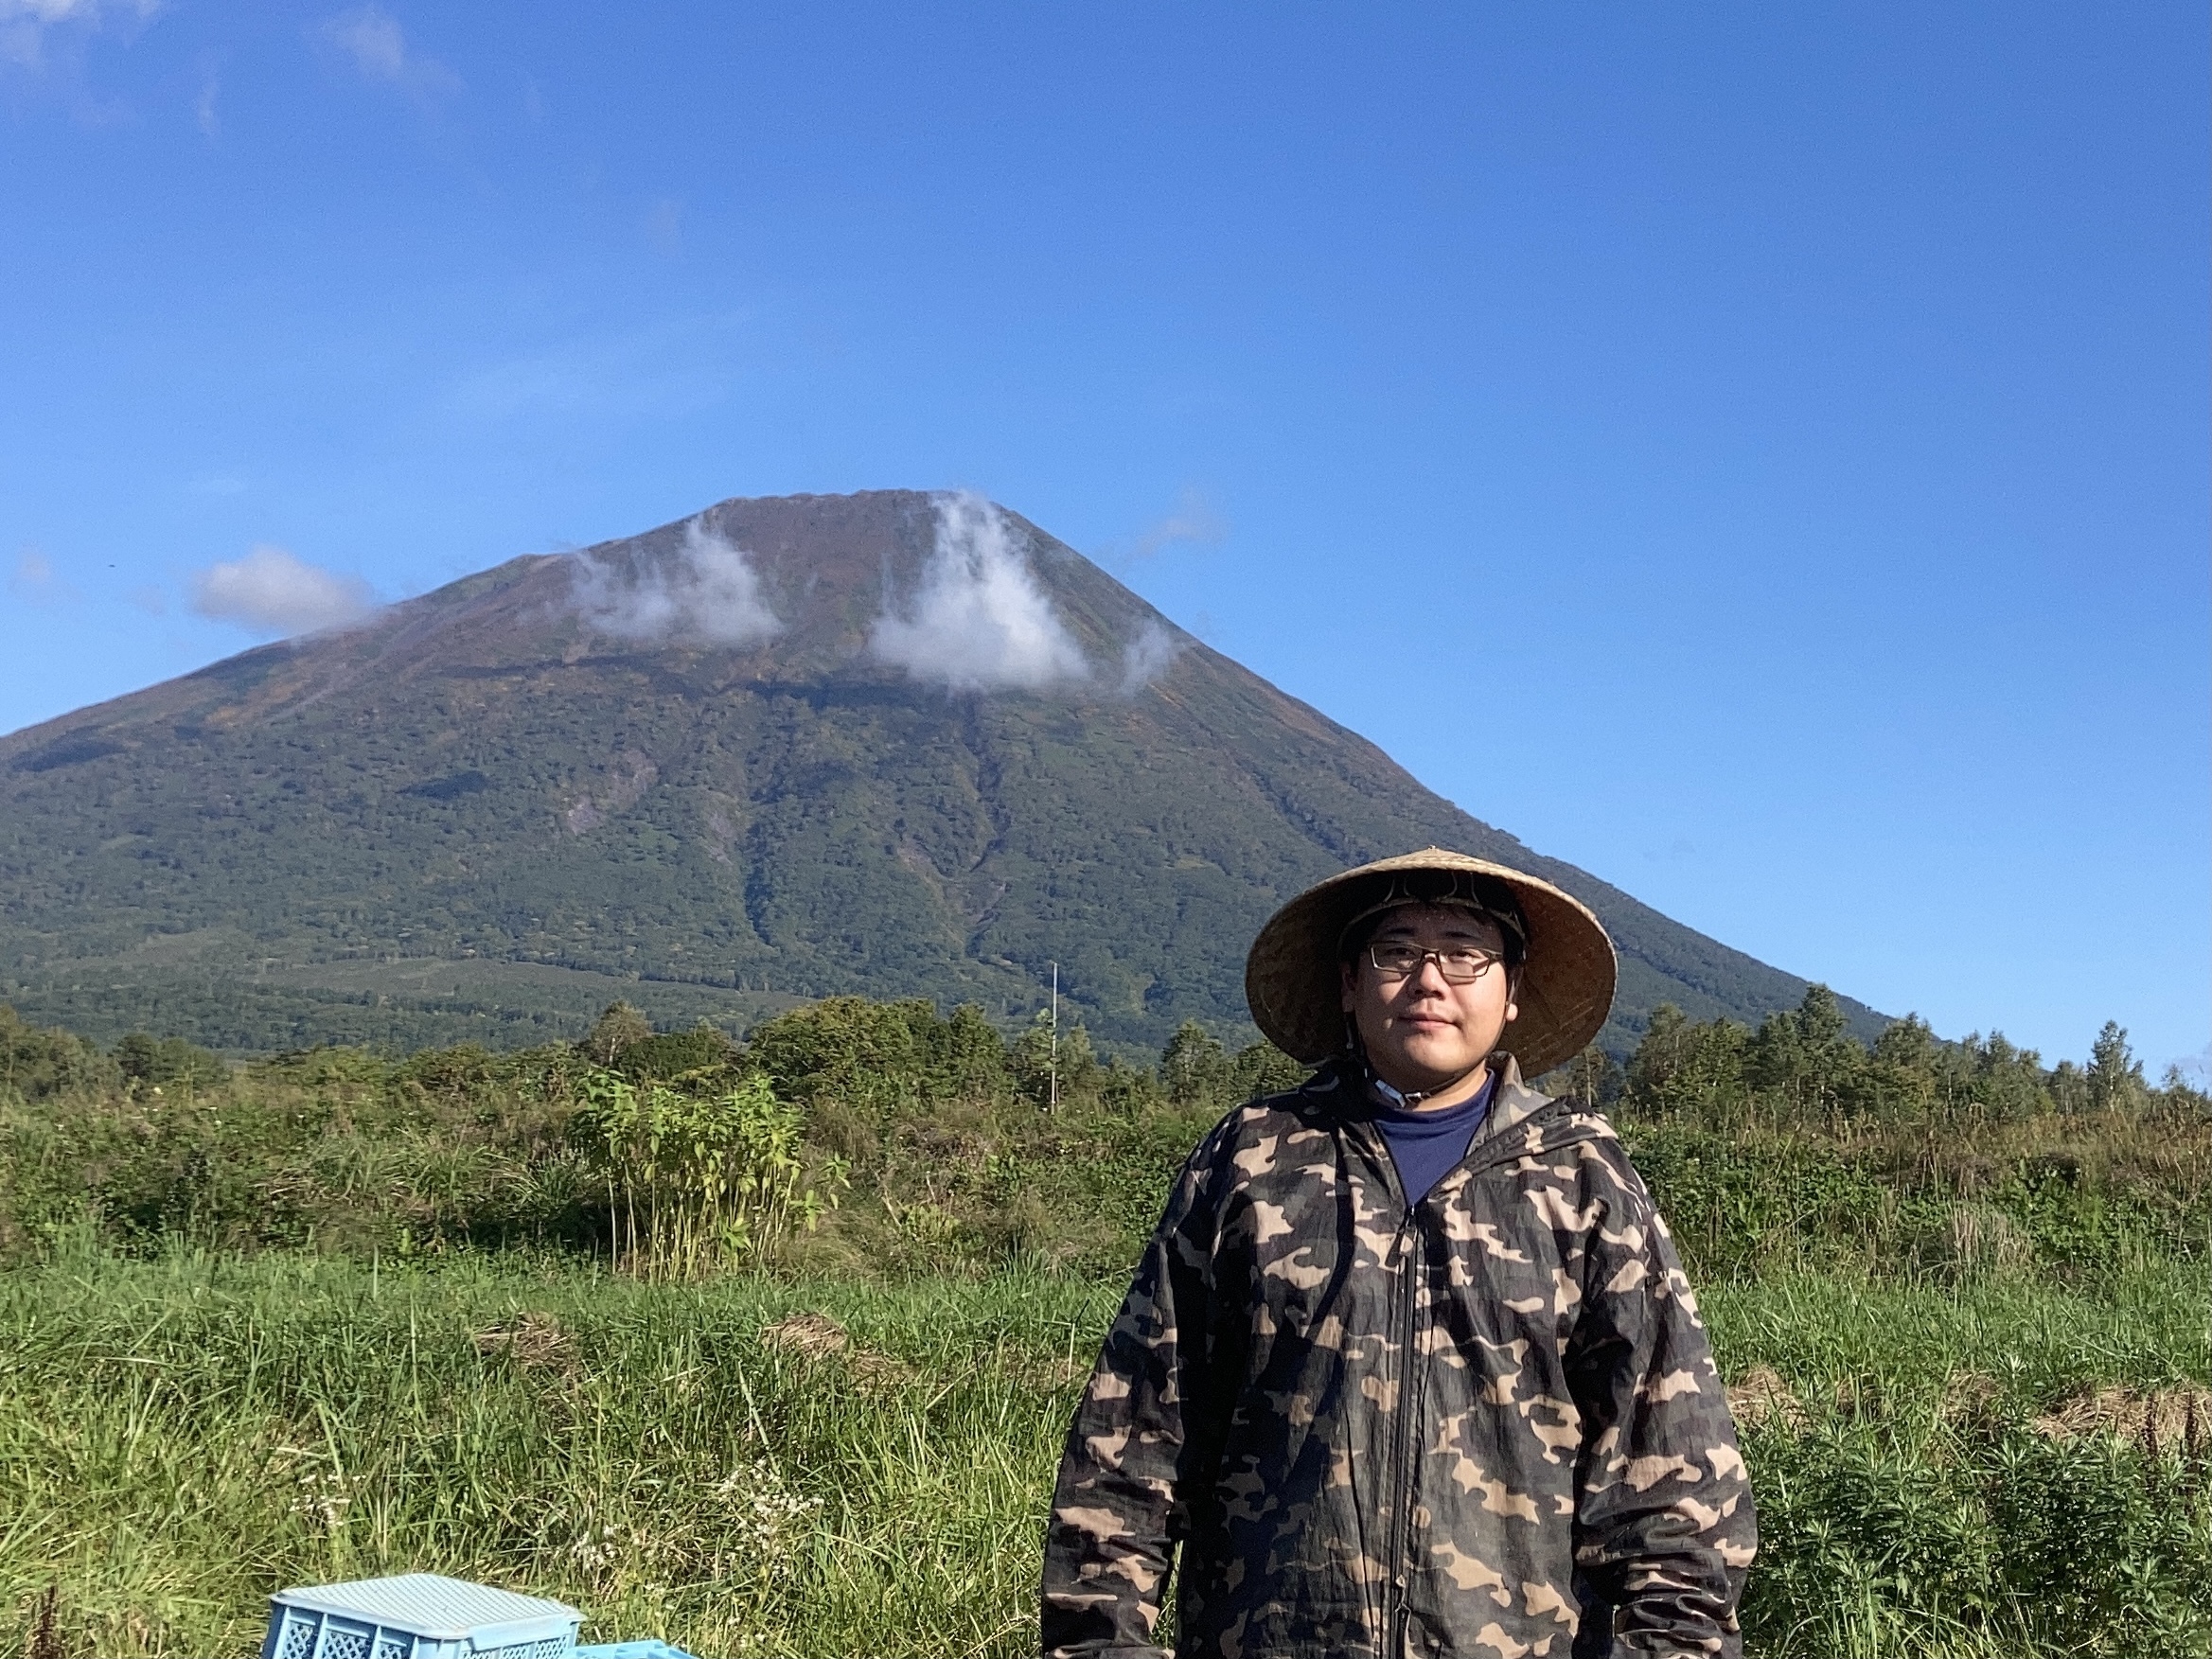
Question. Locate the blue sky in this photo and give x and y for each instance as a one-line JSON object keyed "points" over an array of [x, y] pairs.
{"points": [[1758, 453]]}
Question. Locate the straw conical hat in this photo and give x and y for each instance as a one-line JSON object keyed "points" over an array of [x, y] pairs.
{"points": [[1567, 981]]}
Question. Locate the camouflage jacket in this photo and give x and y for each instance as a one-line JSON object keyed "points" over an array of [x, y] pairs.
{"points": [[1490, 1426]]}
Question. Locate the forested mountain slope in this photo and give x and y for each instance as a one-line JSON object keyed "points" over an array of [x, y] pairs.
{"points": [[890, 743]]}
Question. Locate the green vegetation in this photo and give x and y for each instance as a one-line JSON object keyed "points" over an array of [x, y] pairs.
{"points": [[567, 1320]]}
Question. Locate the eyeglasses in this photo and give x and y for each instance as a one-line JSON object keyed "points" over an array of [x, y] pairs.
{"points": [[1459, 965]]}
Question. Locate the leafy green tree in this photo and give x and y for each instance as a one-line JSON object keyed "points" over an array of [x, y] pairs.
{"points": [[666, 1056], [1262, 1069], [1593, 1077], [37, 1061], [167, 1062], [618, 1026], [1194, 1066], [1680, 1067], [2114, 1075], [1033, 1063], [1808, 1054], [1902, 1071], [971, 1056], [1661, 1057], [848, 1047], [2008, 1082], [2069, 1089]]}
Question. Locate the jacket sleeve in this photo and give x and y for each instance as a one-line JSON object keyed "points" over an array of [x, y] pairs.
{"points": [[1664, 1528], [1117, 1509]]}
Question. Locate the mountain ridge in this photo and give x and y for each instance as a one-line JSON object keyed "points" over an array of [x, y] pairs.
{"points": [[724, 763]]}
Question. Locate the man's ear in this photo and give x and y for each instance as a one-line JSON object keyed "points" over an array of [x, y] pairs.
{"points": [[1348, 987], [1512, 1012]]}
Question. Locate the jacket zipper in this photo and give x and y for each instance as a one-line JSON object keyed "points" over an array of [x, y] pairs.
{"points": [[1411, 1261], [1397, 1624]]}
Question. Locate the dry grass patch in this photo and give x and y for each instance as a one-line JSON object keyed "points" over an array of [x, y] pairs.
{"points": [[817, 1336], [2168, 1420], [536, 1341], [1763, 1398]]}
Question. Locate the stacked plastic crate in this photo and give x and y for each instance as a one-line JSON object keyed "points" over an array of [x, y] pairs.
{"points": [[420, 1616]]}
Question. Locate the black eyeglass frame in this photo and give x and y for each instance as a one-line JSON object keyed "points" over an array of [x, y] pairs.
{"points": [[1485, 958]]}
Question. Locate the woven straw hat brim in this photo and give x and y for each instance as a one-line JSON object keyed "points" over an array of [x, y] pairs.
{"points": [[1567, 981]]}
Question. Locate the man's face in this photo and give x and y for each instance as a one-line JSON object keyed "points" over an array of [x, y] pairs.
{"points": [[1421, 1032]]}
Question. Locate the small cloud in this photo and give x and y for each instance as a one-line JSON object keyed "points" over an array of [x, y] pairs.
{"points": [[979, 621], [272, 592], [1146, 658], [664, 226], [1194, 519], [204, 112], [372, 37], [674, 368], [708, 590], [35, 581], [27, 25]]}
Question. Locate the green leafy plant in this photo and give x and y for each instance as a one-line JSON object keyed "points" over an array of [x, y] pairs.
{"points": [[699, 1183]]}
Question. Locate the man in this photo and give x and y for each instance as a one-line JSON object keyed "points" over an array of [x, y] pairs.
{"points": [[1410, 1366]]}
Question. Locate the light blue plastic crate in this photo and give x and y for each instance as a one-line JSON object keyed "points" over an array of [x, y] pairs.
{"points": [[417, 1616]]}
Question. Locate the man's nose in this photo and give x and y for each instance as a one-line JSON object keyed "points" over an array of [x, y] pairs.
{"points": [[1429, 975]]}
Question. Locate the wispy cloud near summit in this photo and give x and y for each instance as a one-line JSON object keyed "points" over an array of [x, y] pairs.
{"points": [[272, 591], [708, 591], [979, 622]]}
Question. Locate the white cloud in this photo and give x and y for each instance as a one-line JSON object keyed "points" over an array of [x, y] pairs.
{"points": [[673, 368], [272, 591], [373, 38], [24, 23], [1146, 658], [1194, 519], [204, 106], [35, 581], [708, 590], [979, 621]]}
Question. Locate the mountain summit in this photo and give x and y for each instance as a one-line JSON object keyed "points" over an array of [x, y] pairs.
{"points": [[892, 743]]}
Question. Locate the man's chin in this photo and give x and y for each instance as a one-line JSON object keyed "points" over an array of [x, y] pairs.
{"points": [[1441, 1071]]}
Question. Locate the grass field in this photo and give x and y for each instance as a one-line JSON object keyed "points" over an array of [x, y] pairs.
{"points": [[837, 1467], [770, 1350]]}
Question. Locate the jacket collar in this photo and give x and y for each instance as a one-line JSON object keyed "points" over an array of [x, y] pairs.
{"points": [[1514, 1107]]}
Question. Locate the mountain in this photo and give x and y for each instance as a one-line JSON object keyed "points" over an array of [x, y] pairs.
{"points": [[891, 743]]}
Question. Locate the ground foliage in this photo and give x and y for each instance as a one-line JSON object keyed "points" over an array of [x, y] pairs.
{"points": [[331, 1312]]}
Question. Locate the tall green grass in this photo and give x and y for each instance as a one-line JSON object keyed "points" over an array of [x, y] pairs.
{"points": [[329, 1315], [181, 1435]]}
